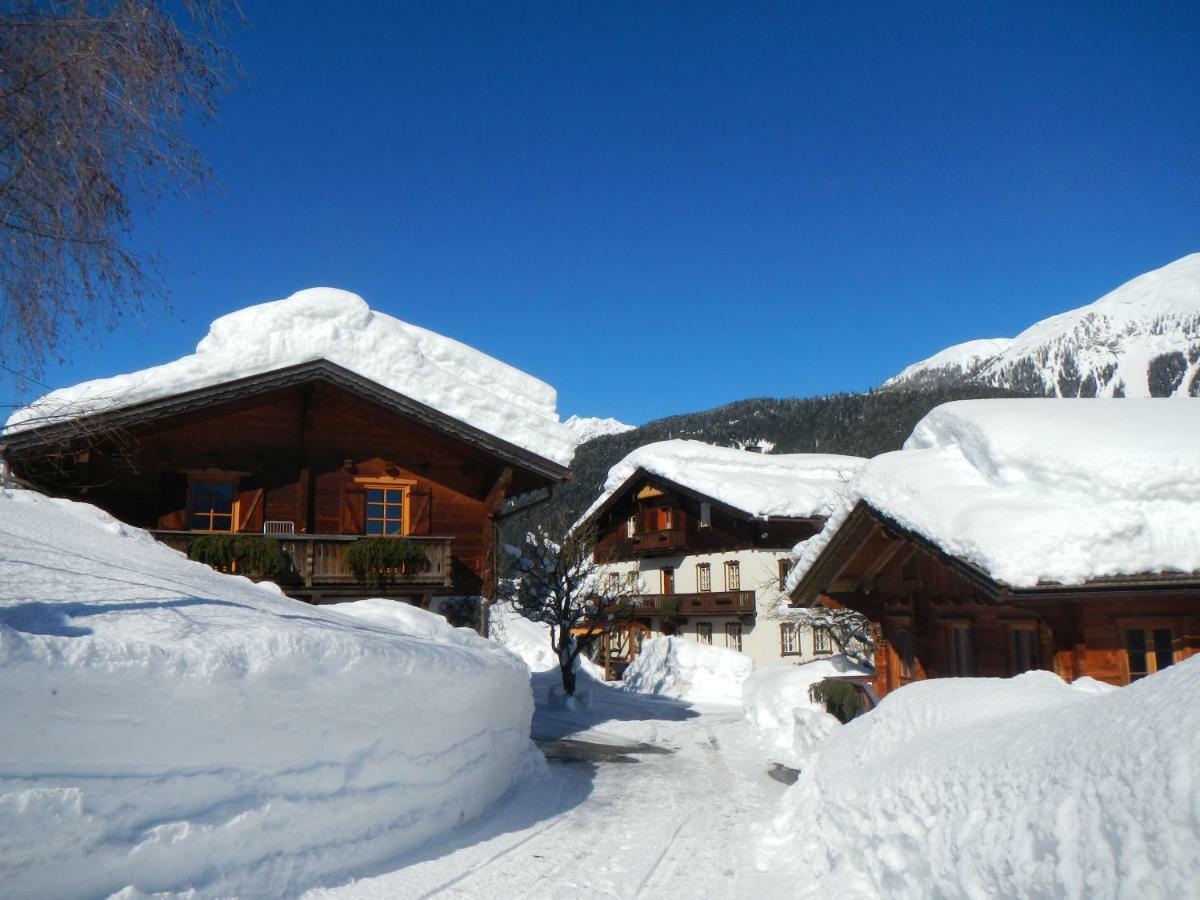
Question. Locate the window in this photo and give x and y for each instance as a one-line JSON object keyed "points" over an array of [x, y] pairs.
{"points": [[1148, 650], [1023, 647], [631, 526], [631, 580], [959, 650], [733, 635], [822, 641], [211, 504], [704, 632], [789, 642], [902, 643], [668, 580], [733, 576], [703, 577], [386, 508], [705, 514], [785, 568], [614, 584]]}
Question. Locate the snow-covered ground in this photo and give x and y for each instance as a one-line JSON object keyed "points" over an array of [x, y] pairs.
{"points": [[1021, 787], [325, 323], [642, 797], [685, 669], [170, 728]]}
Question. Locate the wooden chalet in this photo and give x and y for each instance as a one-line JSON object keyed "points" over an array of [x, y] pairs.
{"points": [[935, 615], [313, 456], [704, 567]]}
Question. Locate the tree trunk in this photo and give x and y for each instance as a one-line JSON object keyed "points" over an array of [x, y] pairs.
{"points": [[568, 679]]}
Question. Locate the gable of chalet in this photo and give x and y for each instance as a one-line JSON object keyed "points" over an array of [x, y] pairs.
{"points": [[319, 371], [867, 542]]}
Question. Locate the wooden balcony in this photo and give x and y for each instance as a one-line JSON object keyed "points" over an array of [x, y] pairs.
{"points": [[709, 603], [320, 559], [656, 543]]}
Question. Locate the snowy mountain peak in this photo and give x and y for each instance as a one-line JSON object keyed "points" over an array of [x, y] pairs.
{"points": [[1140, 340], [587, 427]]}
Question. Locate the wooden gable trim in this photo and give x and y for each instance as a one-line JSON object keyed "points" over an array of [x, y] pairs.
{"points": [[319, 371]]}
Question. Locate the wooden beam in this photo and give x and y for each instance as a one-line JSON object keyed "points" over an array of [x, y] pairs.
{"points": [[499, 492], [882, 558]]}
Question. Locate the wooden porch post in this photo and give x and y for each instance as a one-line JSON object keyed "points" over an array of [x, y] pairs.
{"points": [[491, 505]]}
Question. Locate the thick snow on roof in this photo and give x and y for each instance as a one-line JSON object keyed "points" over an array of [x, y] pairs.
{"points": [[795, 485], [171, 729], [1044, 490], [990, 787], [325, 323]]}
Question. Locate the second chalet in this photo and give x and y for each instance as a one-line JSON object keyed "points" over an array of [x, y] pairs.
{"points": [[705, 534], [1011, 535], [317, 424]]}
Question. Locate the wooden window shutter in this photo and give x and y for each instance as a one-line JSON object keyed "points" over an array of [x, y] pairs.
{"points": [[354, 502], [420, 513], [251, 506]]}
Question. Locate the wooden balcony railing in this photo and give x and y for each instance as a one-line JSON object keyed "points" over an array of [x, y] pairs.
{"points": [[652, 542], [709, 603], [320, 559]]}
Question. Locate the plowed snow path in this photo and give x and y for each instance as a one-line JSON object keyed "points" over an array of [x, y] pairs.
{"points": [[677, 824]]}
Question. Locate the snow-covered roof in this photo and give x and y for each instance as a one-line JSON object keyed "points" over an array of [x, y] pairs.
{"points": [[1043, 490], [338, 326], [796, 485]]}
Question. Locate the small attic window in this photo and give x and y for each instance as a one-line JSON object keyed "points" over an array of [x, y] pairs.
{"points": [[705, 514]]}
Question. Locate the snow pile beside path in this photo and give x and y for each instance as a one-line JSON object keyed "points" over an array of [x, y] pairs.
{"points": [[326, 323], [797, 485], [1044, 490], [1024, 787], [776, 703], [407, 619], [173, 729], [687, 670]]}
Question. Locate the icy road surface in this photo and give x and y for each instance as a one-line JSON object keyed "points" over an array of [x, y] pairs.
{"points": [[621, 820]]}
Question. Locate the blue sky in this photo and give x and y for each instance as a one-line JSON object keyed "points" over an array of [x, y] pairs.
{"points": [[662, 207]]}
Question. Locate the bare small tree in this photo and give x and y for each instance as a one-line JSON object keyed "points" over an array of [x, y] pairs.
{"points": [[554, 578], [850, 630], [94, 99]]}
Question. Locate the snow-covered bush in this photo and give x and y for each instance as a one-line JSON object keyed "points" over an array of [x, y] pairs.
{"points": [[1021, 787], [778, 704], [687, 670], [170, 728]]}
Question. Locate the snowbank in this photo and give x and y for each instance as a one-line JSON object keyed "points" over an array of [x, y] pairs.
{"points": [[1024, 787], [788, 724], [687, 670], [325, 323], [760, 484], [1044, 490], [170, 728]]}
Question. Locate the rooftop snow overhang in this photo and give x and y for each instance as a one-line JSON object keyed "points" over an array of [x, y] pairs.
{"points": [[640, 473], [319, 371], [840, 550]]}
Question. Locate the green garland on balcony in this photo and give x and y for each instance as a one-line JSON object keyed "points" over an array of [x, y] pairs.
{"points": [[246, 554], [669, 606], [371, 558]]}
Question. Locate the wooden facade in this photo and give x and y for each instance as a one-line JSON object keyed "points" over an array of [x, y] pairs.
{"points": [[312, 456], [934, 615]]}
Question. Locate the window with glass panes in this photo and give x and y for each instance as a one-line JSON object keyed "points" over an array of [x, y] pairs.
{"points": [[704, 632], [210, 504], [822, 640], [1148, 650], [960, 650], [733, 635], [385, 509], [703, 577], [733, 576], [1023, 647], [789, 643]]}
